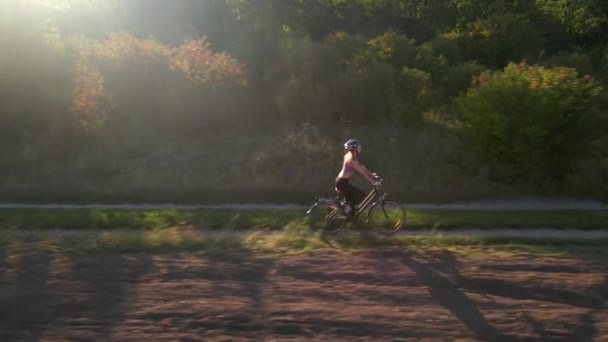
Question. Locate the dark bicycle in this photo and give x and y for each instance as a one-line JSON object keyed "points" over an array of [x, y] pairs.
{"points": [[384, 216]]}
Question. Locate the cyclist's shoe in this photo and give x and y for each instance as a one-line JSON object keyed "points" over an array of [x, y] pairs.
{"points": [[349, 211]]}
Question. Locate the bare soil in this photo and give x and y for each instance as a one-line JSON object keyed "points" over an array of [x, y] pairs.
{"points": [[391, 295]]}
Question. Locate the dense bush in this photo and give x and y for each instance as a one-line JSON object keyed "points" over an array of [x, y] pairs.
{"points": [[530, 123], [498, 40]]}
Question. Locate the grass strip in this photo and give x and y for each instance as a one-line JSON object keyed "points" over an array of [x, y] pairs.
{"points": [[85, 219], [291, 240]]}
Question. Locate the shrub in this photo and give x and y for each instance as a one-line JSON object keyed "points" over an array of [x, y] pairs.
{"points": [[530, 123]]}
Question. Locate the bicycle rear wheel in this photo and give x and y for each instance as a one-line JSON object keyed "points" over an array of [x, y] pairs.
{"points": [[387, 217], [327, 217]]}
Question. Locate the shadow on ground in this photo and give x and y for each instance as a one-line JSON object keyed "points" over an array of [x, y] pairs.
{"points": [[387, 295]]}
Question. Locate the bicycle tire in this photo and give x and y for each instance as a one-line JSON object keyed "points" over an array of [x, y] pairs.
{"points": [[327, 217], [387, 217]]}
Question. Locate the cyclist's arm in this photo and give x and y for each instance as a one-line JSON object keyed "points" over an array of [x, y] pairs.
{"points": [[362, 171], [366, 170], [371, 174]]}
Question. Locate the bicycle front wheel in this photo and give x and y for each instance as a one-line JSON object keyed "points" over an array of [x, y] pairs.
{"points": [[387, 217]]}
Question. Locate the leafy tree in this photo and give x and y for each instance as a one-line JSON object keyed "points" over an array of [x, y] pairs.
{"points": [[530, 123], [498, 40], [587, 20]]}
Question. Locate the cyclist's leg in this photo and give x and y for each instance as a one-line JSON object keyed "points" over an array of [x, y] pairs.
{"points": [[352, 194], [345, 188], [357, 195]]}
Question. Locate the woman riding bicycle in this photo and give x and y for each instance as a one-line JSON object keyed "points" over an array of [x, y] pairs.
{"points": [[350, 164]]}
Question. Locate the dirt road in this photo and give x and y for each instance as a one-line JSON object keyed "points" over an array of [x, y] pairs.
{"points": [[325, 296]]}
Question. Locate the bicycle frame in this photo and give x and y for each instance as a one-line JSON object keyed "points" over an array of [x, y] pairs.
{"points": [[370, 199]]}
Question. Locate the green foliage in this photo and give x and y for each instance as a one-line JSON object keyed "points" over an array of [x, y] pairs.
{"points": [[413, 95], [498, 40], [359, 94], [583, 63], [586, 19], [110, 96], [458, 78], [530, 123], [393, 48], [447, 47], [299, 100], [400, 51]]}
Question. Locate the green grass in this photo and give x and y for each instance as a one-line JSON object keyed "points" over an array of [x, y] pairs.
{"points": [[484, 219], [85, 219], [295, 239]]}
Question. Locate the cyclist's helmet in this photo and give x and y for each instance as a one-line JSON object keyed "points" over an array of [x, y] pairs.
{"points": [[352, 144]]}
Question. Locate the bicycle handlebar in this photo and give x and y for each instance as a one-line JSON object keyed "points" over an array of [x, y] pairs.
{"points": [[378, 182]]}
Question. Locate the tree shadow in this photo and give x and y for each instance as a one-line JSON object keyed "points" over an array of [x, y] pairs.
{"points": [[447, 286], [584, 330], [99, 291], [534, 268], [229, 275], [24, 296], [40, 301], [110, 285], [514, 290], [440, 275]]}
